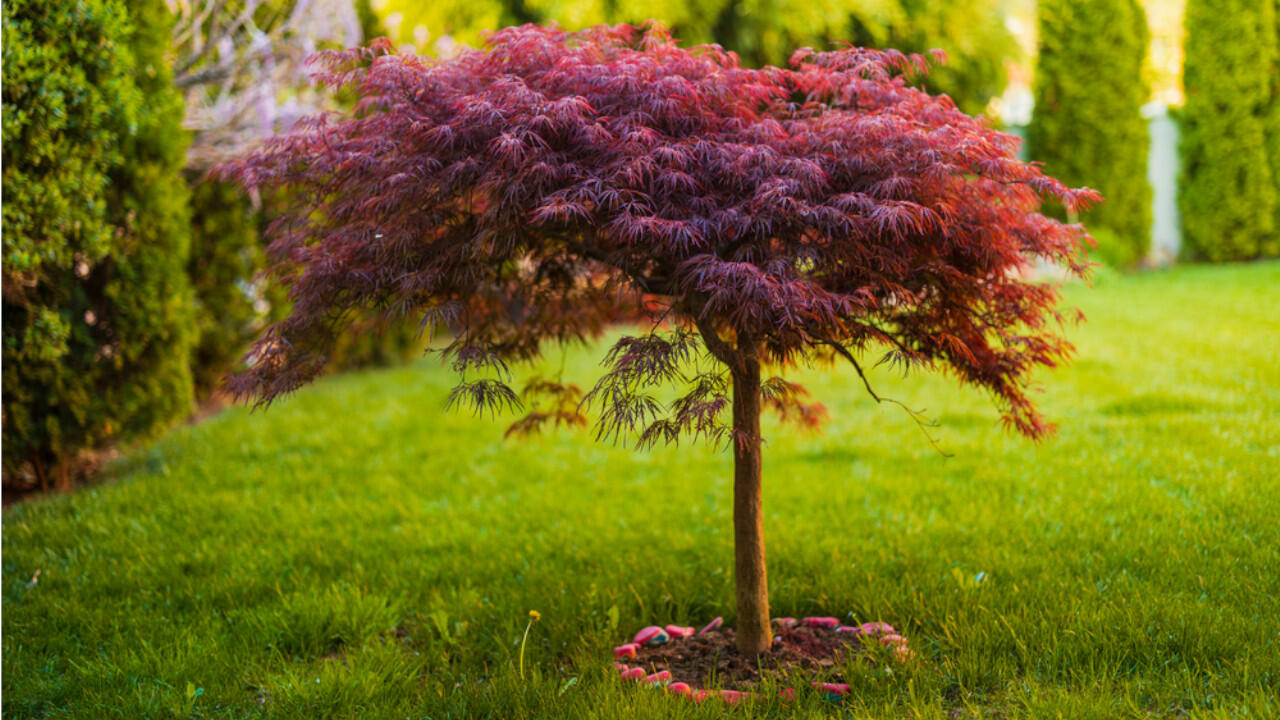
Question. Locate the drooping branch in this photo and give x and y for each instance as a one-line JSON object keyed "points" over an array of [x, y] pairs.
{"points": [[719, 348], [551, 402], [916, 416]]}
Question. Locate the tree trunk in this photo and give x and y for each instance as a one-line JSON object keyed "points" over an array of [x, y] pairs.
{"points": [[44, 480], [753, 631], [62, 480]]}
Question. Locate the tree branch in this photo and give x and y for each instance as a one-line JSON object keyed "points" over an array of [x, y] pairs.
{"points": [[917, 416], [721, 350], [206, 75], [644, 283]]}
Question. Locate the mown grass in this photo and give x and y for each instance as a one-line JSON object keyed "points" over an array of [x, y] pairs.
{"points": [[356, 553]]}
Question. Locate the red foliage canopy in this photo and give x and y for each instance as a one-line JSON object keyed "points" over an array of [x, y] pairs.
{"points": [[553, 182]]}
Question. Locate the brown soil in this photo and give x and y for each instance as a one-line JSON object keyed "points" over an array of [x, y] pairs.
{"points": [[711, 660], [28, 481]]}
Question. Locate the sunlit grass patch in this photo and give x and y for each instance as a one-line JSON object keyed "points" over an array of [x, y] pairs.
{"points": [[354, 552]]}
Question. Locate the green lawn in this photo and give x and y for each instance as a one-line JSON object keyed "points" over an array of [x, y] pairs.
{"points": [[357, 553]]}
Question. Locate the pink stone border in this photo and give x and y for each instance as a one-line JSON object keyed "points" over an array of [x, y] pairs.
{"points": [[654, 636]]}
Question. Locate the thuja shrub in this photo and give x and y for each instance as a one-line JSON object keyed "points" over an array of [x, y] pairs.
{"points": [[1228, 193], [96, 302], [1088, 127], [531, 192]]}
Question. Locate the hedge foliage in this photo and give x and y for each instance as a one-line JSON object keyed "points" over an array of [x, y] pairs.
{"points": [[96, 301], [1088, 127], [1230, 151]]}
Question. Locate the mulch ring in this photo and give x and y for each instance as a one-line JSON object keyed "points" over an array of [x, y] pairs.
{"points": [[817, 648]]}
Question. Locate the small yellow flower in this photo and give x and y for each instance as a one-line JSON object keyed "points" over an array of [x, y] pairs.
{"points": [[534, 616]]}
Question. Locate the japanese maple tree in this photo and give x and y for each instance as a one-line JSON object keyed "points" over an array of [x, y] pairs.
{"points": [[544, 187]]}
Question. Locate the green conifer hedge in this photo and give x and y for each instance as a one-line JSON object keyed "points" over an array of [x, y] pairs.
{"points": [[96, 300], [1228, 189], [1088, 127]]}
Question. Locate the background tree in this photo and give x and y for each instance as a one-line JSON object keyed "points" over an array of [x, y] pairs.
{"points": [[761, 31], [1088, 127], [96, 302], [1227, 191], [241, 65], [533, 192]]}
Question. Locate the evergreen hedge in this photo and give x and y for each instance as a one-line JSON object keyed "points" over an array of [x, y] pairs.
{"points": [[96, 305], [1228, 190], [1088, 127]]}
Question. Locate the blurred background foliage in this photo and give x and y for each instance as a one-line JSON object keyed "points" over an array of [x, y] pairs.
{"points": [[238, 95], [130, 280], [1090, 83], [972, 32]]}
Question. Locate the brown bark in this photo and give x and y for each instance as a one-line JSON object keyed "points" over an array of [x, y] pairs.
{"points": [[753, 633], [44, 480]]}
